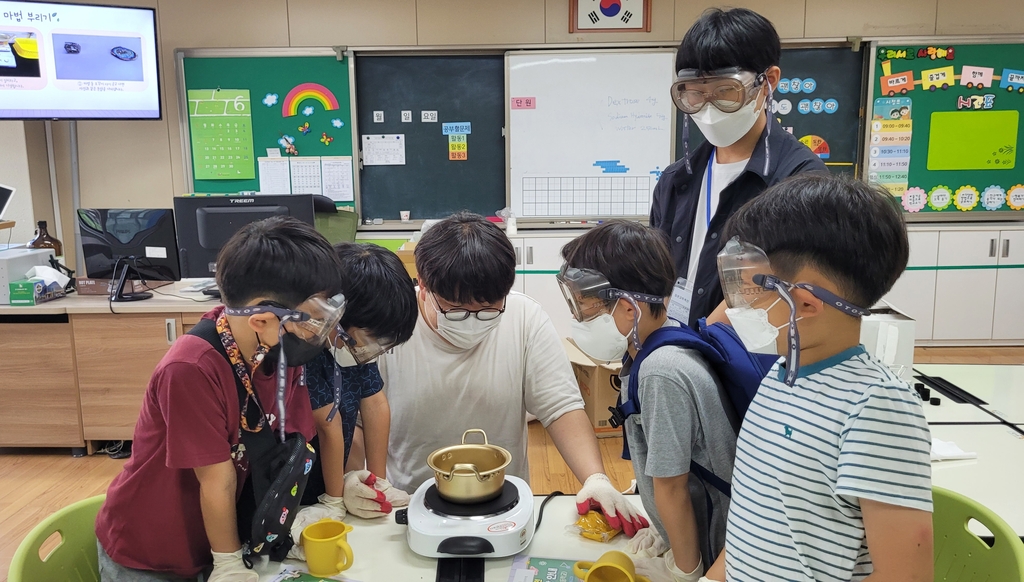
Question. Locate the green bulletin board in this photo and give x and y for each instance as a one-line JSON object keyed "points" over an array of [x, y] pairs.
{"points": [[286, 93], [945, 126]]}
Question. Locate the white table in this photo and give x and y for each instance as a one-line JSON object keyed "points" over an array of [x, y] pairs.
{"points": [[381, 552], [993, 479], [955, 412], [1002, 387]]}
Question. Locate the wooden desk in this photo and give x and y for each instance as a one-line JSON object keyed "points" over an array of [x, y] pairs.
{"points": [[5, 224], [1002, 387], [74, 372]]}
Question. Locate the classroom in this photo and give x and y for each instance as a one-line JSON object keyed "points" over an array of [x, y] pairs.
{"points": [[413, 255]]}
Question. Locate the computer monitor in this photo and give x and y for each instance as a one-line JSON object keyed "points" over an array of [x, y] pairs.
{"points": [[129, 243], [205, 223], [6, 193]]}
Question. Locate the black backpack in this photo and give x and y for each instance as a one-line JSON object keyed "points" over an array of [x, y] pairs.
{"points": [[278, 472]]}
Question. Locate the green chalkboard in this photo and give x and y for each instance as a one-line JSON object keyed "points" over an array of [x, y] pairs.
{"points": [[819, 100], [460, 89], [315, 82], [945, 127]]}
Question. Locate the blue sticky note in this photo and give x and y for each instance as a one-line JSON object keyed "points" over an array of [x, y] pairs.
{"points": [[464, 127]]}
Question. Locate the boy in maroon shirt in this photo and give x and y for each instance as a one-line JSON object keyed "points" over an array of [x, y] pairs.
{"points": [[174, 504]]}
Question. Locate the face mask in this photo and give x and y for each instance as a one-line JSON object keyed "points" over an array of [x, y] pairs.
{"points": [[756, 332], [467, 333], [725, 129], [344, 358], [298, 351], [599, 338]]}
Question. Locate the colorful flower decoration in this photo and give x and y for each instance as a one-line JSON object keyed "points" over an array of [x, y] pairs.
{"points": [[307, 110], [337, 123], [1015, 197], [914, 199], [939, 198], [270, 100], [966, 198], [993, 198]]}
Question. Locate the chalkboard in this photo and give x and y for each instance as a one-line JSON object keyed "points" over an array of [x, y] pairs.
{"points": [[945, 127], [277, 104], [819, 100], [433, 90]]}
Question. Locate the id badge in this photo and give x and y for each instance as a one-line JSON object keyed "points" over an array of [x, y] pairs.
{"points": [[679, 303]]}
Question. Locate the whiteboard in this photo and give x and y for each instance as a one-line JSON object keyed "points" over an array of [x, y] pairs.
{"points": [[589, 131]]}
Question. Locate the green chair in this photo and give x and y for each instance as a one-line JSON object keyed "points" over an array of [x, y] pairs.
{"points": [[74, 559], [962, 555]]}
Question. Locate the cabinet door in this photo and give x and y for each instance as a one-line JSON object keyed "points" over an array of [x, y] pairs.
{"points": [[543, 261], [519, 285], [38, 395], [914, 292], [965, 285], [1008, 323], [116, 355]]}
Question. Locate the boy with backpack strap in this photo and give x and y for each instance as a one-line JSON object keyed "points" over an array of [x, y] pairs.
{"points": [[617, 279]]}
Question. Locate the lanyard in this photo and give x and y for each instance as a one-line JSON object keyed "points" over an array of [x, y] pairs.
{"points": [[238, 365], [707, 191]]}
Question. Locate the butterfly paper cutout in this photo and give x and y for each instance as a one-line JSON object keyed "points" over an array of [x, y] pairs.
{"points": [[304, 128], [326, 139]]}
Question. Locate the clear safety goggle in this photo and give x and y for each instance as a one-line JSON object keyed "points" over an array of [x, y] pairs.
{"points": [[363, 346], [728, 90], [589, 294], [313, 320]]}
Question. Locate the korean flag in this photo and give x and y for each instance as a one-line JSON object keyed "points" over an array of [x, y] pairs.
{"points": [[610, 14]]}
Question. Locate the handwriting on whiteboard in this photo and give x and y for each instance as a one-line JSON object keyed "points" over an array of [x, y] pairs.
{"points": [[629, 114]]}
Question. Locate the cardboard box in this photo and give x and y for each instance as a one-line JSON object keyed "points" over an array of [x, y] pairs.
{"points": [[34, 291], [405, 252], [85, 286], [599, 387], [888, 335]]}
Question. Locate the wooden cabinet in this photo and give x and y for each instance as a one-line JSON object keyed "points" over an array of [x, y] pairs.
{"points": [[965, 285], [914, 292], [116, 355], [1008, 321], [38, 394]]}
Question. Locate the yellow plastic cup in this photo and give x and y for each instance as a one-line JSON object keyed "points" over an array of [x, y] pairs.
{"points": [[326, 545], [611, 567]]}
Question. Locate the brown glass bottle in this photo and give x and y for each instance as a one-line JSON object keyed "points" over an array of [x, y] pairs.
{"points": [[43, 240]]}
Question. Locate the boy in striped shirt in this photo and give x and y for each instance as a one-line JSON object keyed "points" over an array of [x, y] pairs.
{"points": [[832, 480]]}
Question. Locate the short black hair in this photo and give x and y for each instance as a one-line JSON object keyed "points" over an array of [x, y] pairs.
{"points": [[633, 257], [465, 258], [729, 38], [280, 258], [852, 233], [379, 293]]}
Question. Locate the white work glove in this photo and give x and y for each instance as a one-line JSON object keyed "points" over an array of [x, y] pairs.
{"points": [[231, 568], [328, 508], [599, 494], [369, 496], [647, 543], [664, 569]]}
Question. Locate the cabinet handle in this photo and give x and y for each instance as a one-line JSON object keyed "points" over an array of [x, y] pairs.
{"points": [[172, 330], [992, 247], [519, 259], [529, 255], [1006, 248]]}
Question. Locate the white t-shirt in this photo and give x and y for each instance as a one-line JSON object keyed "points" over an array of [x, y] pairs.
{"points": [[722, 176], [437, 391]]}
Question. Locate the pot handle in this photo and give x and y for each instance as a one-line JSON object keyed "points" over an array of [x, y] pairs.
{"points": [[474, 430], [466, 467]]}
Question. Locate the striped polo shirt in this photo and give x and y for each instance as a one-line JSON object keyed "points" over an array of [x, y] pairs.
{"points": [[848, 429]]}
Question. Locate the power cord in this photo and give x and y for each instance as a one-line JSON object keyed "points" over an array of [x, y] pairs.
{"points": [[540, 512]]}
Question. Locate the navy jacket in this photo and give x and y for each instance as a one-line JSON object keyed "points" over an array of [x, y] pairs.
{"points": [[677, 192]]}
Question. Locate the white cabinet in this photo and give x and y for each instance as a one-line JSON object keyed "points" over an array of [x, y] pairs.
{"points": [[1008, 323], [520, 248], [542, 260], [965, 285], [914, 292]]}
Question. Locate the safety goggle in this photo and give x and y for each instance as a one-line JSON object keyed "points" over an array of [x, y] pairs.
{"points": [[313, 320], [363, 346], [589, 294], [728, 90]]}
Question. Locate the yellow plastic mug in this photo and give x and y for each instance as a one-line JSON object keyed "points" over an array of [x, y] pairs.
{"points": [[611, 567], [326, 545]]}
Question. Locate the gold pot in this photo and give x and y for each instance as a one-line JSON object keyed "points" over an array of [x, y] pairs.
{"points": [[469, 473]]}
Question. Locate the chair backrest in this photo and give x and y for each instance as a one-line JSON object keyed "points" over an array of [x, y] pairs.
{"points": [[74, 559], [962, 555]]}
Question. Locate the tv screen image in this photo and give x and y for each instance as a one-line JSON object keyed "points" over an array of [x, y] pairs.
{"points": [[77, 61]]}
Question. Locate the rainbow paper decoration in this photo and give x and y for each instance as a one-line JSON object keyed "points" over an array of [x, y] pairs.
{"points": [[290, 105]]}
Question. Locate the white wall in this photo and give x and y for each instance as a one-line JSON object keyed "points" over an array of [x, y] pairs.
{"points": [[14, 173]]}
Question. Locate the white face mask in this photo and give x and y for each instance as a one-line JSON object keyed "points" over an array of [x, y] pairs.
{"points": [[344, 358], [725, 129], [467, 333], [600, 338], [756, 332]]}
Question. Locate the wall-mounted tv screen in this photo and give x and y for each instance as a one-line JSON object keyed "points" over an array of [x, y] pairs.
{"points": [[77, 61]]}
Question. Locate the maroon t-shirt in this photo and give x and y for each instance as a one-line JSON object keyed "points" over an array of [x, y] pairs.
{"points": [[152, 519]]}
